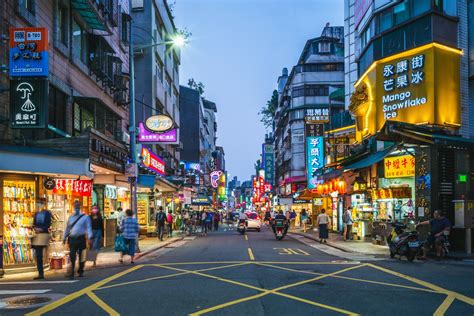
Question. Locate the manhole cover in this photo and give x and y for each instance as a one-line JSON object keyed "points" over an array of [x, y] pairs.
{"points": [[28, 301]]}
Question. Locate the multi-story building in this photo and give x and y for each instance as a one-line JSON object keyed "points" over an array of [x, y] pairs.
{"points": [[409, 67], [157, 71], [63, 113], [306, 91]]}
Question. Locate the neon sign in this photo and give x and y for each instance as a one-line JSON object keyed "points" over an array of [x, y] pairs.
{"points": [[152, 161]]}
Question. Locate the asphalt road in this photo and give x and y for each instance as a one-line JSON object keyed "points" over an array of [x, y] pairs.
{"points": [[227, 273]]}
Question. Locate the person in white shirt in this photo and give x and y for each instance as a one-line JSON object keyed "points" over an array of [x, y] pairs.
{"points": [[324, 222]]}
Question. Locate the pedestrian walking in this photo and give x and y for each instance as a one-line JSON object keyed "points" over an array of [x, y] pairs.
{"points": [[324, 222], [97, 223], [119, 215], [169, 221], [210, 215], [78, 227], [304, 219], [160, 223], [347, 221], [203, 223], [41, 228], [217, 219], [130, 230]]}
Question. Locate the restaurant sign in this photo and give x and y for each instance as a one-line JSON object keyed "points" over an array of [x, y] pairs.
{"points": [[399, 166], [159, 123], [28, 103], [152, 161], [145, 136], [77, 188]]}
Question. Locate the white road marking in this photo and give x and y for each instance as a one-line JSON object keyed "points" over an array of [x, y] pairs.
{"points": [[10, 292], [40, 282]]}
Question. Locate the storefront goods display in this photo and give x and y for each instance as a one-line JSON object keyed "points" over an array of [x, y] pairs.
{"points": [[18, 211], [142, 209]]}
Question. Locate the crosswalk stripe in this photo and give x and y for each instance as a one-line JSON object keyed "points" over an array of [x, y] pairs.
{"points": [[39, 282], [10, 292]]}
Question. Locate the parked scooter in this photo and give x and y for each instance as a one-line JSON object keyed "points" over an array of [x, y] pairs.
{"points": [[404, 243]]}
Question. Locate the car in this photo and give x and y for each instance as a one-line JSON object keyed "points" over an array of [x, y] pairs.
{"points": [[254, 221]]}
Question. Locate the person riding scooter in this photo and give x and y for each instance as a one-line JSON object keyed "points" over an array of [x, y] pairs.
{"points": [[439, 226], [280, 216], [243, 217]]}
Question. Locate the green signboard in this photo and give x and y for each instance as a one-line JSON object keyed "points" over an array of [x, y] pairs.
{"points": [[29, 103]]}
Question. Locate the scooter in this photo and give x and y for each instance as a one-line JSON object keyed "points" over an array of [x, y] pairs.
{"points": [[242, 227], [404, 243], [279, 229]]}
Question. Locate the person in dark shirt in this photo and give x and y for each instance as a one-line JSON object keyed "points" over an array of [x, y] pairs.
{"points": [[41, 226], [97, 224], [439, 224]]}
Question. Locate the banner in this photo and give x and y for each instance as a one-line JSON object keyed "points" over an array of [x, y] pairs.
{"points": [[77, 188]]}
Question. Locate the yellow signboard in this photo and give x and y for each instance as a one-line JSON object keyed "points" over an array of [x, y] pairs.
{"points": [[419, 86], [399, 166]]}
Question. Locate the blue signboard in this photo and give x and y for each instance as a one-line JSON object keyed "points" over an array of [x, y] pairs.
{"points": [[314, 158], [28, 52], [268, 163]]}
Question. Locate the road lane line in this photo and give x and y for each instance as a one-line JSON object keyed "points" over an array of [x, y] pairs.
{"points": [[436, 288], [102, 304], [73, 296], [350, 278], [9, 292], [224, 305], [168, 276], [296, 298], [443, 308], [39, 282], [246, 238], [252, 258]]}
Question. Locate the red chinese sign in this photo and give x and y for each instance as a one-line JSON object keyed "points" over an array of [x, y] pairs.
{"points": [[73, 187], [399, 166]]}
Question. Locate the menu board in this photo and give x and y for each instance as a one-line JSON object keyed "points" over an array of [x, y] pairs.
{"points": [[142, 209]]}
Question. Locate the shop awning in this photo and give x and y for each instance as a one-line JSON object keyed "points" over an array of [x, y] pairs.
{"points": [[89, 14], [371, 159], [32, 160], [164, 185]]}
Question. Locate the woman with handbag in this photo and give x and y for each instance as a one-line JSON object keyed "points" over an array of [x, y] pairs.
{"points": [[41, 227], [130, 231]]}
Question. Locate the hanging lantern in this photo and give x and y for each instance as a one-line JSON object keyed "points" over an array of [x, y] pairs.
{"points": [[341, 187], [320, 189], [326, 189]]}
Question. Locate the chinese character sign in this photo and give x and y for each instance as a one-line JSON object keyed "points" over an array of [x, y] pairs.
{"points": [[75, 188], [28, 52], [268, 163], [314, 158], [145, 136], [399, 166], [28, 103], [152, 161]]}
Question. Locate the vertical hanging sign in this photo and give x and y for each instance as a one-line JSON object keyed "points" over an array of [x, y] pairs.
{"points": [[28, 103], [314, 158], [29, 52]]}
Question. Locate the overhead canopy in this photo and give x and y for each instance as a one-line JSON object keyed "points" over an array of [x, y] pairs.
{"points": [[89, 14], [370, 159], [45, 161]]}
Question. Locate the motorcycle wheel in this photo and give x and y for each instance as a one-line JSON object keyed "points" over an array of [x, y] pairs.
{"points": [[392, 254], [280, 238], [410, 256]]}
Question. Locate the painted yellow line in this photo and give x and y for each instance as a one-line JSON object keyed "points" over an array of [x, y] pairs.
{"points": [[102, 304], [246, 238], [443, 308], [72, 296], [436, 288], [296, 298], [252, 258], [195, 263], [349, 278], [168, 276], [224, 305], [269, 262]]}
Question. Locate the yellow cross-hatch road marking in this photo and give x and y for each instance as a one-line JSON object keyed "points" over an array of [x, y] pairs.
{"points": [[251, 256], [102, 304], [443, 308], [291, 251]]}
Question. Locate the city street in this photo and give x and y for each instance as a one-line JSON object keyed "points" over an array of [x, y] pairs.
{"points": [[227, 273]]}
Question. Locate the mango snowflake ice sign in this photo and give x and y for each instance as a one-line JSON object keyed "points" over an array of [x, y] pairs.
{"points": [[28, 103]]}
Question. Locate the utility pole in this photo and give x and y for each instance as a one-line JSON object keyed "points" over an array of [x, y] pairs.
{"points": [[132, 127]]}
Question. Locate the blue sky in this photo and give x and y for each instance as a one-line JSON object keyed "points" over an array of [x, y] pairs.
{"points": [[238, 49]]}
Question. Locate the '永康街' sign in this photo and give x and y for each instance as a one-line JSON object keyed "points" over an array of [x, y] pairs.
{"points": [[399, 166], [419, 86]]}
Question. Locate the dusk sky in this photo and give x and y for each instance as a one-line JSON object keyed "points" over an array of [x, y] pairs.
{"points": [[238, 49]]}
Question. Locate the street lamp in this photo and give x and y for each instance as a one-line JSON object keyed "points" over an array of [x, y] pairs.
{"points": [[178, 40]]}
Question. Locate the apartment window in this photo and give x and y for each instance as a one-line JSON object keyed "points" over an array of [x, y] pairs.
{"points": [[137, 4], [158, 68], [386, 20], [319, 67], [401, 12], [80, 45], [124, 26], [324, 47], [310, 90], [297, 137], [57, 108], [27, 10], [471, 38], [63, 24], [420, 6], [29, 5]]}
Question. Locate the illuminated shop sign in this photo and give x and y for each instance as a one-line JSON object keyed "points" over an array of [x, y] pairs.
{"points": [[419, 86], [314, 158], [28, 103], [28, 52], [268, 162], [320, 115], [399, 166], [145, 136], [159, 123], [152, 161], [75, 188], [215, 175]]}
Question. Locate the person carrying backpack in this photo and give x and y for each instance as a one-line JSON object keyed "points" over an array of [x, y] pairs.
{"points": [[160, 223], [169, 221]]}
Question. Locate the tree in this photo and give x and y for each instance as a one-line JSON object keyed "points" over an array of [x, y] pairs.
{"points": [[198, 86], [268, 112]]}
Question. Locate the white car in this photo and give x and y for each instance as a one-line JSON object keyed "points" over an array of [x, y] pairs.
{"points": [[254, 221]]}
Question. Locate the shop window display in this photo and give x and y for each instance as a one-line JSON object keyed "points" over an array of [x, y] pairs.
{"points": [[18, 209]]}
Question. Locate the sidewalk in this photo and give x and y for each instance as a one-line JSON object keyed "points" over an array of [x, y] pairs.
{"points": [[355, 246], [107, 258]]}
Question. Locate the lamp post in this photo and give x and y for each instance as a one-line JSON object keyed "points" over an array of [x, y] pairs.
{"points": [[178, 40]]}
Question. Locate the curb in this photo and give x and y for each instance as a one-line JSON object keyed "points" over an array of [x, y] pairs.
{"points": [[153, 249], [327, 243]]}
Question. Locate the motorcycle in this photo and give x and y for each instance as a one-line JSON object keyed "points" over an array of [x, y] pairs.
{"points": [[279, 229], [242, 227], [404, 243]]}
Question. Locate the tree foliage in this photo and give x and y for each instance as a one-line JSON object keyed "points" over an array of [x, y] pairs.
{"points": [[198, 86], [268, 112]]}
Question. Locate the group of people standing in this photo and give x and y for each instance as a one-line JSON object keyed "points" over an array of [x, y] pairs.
{"points": [[83, 232]]}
